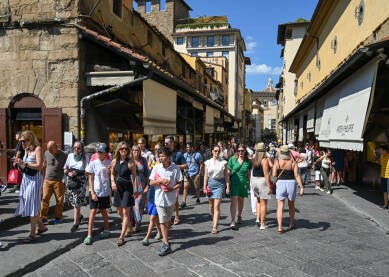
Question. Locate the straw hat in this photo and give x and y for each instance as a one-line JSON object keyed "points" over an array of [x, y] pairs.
{"points": [[260, 147], [284, 152]]}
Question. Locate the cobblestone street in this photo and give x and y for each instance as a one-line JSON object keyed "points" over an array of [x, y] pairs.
{"points": [[330, 240]]}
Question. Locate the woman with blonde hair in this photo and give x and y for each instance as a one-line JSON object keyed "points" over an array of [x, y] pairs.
{"points": [[260, 183], [286, 172], [142, 174], [239, 167], [32, 182], [123, 180]]}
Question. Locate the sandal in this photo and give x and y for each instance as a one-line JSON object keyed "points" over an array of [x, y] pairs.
{"points": [[281, 231], [214, 230], [233, 227], [41, 231], [290, 228], [176, 221], [129, 234], [29, 239], [120, 242]]}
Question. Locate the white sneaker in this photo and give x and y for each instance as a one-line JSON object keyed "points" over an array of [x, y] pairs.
{"points": [[321, 189], [317, 187], [328, 192], [263, 227]]}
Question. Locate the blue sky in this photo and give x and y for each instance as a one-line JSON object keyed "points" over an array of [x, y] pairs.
{"points": [[258, 21]]}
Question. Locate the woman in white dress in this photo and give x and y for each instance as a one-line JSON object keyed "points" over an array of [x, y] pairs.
{"points": [[32, 182]]}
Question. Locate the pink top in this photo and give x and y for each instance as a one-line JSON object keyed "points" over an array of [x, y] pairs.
{"points": [[296, 155]]}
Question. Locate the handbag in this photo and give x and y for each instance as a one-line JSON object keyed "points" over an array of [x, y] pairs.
{"points": [[15, 176], [30, 171], [74, 182]]}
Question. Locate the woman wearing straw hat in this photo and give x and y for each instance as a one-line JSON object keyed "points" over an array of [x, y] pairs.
{"points": [[286, 171], [260, 183]]}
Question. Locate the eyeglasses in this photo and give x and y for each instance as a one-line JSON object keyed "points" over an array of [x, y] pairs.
{"points": [[216, 151], [22, 140], [240, 150], [124, 148]]}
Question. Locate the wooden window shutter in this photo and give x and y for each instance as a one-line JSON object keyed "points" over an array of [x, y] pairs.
{"points": [[52, 126], [3, 139]]}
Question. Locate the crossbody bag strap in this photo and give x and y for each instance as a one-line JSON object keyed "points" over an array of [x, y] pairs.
{"points": [[236, 171]]}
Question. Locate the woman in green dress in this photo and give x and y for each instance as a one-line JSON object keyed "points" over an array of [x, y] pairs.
{"points": [[239, 167]]}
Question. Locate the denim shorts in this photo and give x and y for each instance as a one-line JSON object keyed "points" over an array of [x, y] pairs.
{"points": [[286, 189], [385, 184]]}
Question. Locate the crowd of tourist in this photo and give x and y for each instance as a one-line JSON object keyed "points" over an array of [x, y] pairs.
{"points": [[137, 181]]}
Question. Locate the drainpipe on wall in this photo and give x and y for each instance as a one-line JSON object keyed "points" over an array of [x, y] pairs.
{"points": [[104, 92]]}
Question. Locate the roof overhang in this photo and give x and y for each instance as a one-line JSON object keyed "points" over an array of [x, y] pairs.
{"points": [[282, 29]]}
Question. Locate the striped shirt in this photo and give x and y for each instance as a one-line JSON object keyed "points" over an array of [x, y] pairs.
{"points": [[385, 166]]}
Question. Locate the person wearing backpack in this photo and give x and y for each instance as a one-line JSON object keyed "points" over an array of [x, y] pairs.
{"points": [[192, 174]]}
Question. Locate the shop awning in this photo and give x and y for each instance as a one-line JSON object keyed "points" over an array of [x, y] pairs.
{"points": [[311, 119], [345, 110], [159, 109], [209, 120], [319, 115]]}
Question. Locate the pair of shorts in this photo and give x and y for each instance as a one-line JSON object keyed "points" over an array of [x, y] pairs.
{"points": [[195, 180], [165, 213], [102, 203], [286, 189], [239, 189], [152, 209], [385, 184], [260, 188], [123, 199], [318, 176]]}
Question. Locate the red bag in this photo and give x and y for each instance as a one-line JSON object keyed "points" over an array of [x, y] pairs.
{"points": [[208, 191], [15, 176]]}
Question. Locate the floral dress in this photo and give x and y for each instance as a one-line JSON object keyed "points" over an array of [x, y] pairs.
{"points": [[142, 172]]}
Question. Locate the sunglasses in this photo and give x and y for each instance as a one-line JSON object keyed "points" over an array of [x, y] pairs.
{"points": [[240, 150], [216, 151], [124, 148], [166, 143], [23, 140], [157, 149]]}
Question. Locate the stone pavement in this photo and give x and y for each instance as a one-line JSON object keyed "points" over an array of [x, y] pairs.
{"points": [[330, 240]]}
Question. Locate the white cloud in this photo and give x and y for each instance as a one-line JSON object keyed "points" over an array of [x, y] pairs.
{"points": [[250, 46], [250, 38], [263, 69]]}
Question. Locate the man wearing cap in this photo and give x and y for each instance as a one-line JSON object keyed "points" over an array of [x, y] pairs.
{"points": [[295, 155], [99, 185]]}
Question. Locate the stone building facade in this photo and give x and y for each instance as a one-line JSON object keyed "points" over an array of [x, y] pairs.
{"points": [[166, 19]]}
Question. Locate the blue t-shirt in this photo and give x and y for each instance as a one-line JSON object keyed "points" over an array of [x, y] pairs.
{"points": [[177, 158], [151, 195], [193, 160]]}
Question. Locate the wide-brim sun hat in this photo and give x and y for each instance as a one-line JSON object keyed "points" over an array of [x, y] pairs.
{"points": [[260, 147], [284, 152]]}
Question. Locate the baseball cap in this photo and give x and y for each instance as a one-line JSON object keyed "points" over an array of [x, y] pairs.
{"points": [[291, 146], [102, 147]]}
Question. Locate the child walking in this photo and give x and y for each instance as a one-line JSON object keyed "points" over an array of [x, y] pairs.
{"points": [[99, 184]]}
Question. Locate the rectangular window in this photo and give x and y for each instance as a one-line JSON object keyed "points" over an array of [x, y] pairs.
{"points": [[194, 54], [162, 5], [209, 54], [226, 54], [195, 42], [180, 41], [148, 6], [149, 37], [117, 7], [226, 40], [210, 41]]}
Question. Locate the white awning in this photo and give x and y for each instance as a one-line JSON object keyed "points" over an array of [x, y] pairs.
{"points": [[108, 78], [311, 119], [209, 120], [301, 128], [159, 109], [345, 110], [319, 115]]}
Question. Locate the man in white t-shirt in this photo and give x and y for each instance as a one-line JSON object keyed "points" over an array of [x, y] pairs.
{"points": [[99, 185], [167, 178]]}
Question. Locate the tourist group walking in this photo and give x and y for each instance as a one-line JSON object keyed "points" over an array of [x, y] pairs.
{"points": [[137, 181]]}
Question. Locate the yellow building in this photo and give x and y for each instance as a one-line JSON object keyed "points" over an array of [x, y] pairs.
{"points": [[342, 77]]}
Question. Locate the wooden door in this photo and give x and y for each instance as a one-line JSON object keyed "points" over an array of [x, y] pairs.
{"points": [[3, 139], [52, 126]]}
